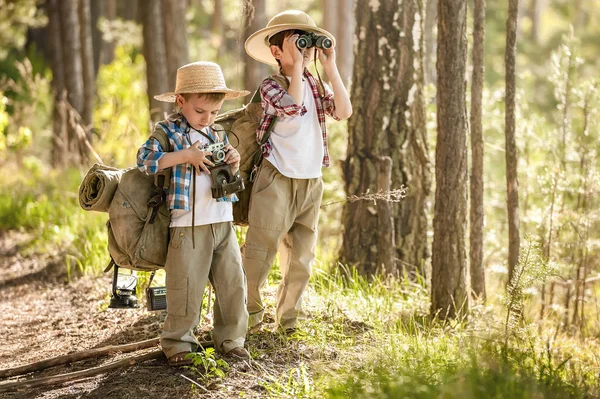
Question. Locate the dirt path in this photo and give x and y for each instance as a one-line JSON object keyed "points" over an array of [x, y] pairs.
{"points": [[43, 316]]}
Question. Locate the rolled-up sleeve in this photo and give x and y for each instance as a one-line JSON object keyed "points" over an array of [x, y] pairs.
{"points": [[149, 154], [329, 103], [277, 101]]}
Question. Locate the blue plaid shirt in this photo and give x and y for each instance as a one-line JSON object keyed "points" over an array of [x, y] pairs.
{"points": [[148, 155]]}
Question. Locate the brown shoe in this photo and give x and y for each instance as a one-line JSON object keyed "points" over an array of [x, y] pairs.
{"points": [[255, 328], [238, 353], [179, 359]]}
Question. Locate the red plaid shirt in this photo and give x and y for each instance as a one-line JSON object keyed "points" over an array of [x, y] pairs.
{"points": [[277, 102]]}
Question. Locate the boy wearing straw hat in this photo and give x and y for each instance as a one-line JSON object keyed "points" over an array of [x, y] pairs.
{"points": [[287, 191], [203, 243]]}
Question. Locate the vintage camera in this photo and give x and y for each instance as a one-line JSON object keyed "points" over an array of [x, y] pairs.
{"points": [[224, 182], [311, 39], [156, 298], [218, 152]]}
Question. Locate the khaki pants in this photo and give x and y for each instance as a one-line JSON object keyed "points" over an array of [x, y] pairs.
{"points": [[216, 257], [283, 212]]}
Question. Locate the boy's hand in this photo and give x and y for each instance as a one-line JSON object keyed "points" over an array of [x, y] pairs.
{"points": [[232, 158], [327, 57], [289, 46], [198, 158]]}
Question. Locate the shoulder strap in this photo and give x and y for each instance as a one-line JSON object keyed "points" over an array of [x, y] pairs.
{"points": [[283, 82], [163, 178]]}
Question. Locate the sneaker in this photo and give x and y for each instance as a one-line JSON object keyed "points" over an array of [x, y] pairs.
{"points": [[238, 353]]}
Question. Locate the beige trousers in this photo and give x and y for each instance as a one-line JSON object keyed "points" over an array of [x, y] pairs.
{"points": [[284, 214], [216, 258]]}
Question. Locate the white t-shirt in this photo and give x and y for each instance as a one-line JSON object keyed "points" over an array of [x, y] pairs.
{"points": [[297, 141], [208, 210]]}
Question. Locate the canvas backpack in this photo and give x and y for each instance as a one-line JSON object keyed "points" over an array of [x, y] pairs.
{"points": [[138, 217], [243, 123]]}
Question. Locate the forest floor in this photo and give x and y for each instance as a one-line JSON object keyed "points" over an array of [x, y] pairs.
{"points": [[45, 315]]}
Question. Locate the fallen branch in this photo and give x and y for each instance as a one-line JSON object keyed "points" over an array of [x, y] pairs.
{"points": [[395, 195], [77, 356], [78, 375]]}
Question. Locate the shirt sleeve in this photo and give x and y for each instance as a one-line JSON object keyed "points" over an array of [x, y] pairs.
{"points": [[328, 102], [277, 101], [149, 154]]}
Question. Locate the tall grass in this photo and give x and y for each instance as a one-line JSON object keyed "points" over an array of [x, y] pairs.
{"points": [[44, 204]]}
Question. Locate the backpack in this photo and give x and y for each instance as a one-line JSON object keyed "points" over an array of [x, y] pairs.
{"points": [[243, 123], [138, 217]]}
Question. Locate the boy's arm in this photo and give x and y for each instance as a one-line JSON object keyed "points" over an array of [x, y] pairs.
{"points": [[342, 107]]}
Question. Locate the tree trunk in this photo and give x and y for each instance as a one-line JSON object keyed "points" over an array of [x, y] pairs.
{"points": [[108, 52], [59, 124], [388, 120], [176, 42], [73, 71], [430, 41], [155, 55], [73, 75], [254, 19], [477, 213], [87, 58], [216, 27], [345, 39], [512, 184], [97, 11], [129, 10], [331, 16], [449, 293]]}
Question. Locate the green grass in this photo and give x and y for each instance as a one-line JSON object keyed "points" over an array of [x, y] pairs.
{"points": [[47, 209]]}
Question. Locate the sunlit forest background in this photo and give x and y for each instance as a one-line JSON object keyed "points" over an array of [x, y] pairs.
{"points": [[538, 339]]}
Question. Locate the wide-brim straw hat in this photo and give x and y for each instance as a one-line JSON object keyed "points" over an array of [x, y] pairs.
{"points": [[257, 45], [200, 77]]}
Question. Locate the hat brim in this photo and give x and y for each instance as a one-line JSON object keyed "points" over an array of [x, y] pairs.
{"points": [[257, 45], [229, 94]]}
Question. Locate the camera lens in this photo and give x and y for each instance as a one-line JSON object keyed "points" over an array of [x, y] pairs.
{"points": [[218, 156]]}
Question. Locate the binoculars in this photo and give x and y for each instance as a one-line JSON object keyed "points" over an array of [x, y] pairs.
{"points": [[311, 39]]}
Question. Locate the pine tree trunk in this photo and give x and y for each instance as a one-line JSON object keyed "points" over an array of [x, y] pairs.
{"points": [[87, 58], [512, 184], [388, 121], [155, 55], [108, 52], [97, 11], [430, 41], [59, 124], [477, 188], [345, 39], [176, 41], [254, 19], [449, 294], [331, 16], [216, 27], [73, 71]]}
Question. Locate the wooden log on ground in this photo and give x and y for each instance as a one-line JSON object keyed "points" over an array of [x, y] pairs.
{"points": [[87, 354], [78, 375], [77, 356]]}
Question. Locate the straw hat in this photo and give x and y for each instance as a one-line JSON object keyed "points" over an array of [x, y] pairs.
{"points": [[200, 77], [257, 45]]}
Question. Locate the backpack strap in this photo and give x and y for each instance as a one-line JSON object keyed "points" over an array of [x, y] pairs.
{"points": [[258, 157], [162, 179]]}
